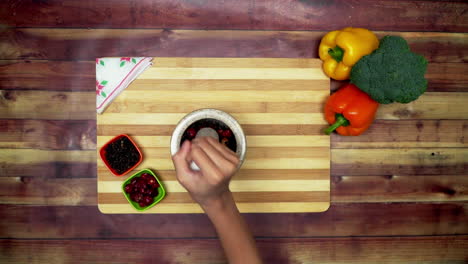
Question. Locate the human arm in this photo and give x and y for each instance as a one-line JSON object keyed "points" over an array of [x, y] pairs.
{"points": [[210, 188]]}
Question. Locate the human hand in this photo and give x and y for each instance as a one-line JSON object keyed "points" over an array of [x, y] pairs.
{"points": [[217, 165]]}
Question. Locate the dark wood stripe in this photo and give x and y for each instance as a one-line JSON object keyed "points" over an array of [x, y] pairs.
{"points": [[75, 44], [350, 219], [308, 15]]}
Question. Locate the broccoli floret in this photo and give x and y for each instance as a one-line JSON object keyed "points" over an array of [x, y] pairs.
{"points": [[392, 73]]}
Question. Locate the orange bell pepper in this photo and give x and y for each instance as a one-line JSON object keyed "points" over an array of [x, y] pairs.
{"points": [[350, 111]]}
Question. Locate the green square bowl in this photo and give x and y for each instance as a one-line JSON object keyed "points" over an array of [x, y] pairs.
{"points": [[157, 199]]}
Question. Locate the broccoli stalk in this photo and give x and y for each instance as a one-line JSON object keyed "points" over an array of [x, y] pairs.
{"points": [[392, 73]]}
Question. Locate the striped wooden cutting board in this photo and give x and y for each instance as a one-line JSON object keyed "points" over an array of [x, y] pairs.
{"points": [[278, 102]]}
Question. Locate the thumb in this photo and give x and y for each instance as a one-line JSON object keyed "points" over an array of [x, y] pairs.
{"points": [[180, 158]]}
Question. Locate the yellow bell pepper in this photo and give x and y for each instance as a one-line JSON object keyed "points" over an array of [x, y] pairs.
{"points": [[341, 49]]}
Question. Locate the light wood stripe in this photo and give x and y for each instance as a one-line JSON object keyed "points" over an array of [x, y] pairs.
{"points": [[221, 85], [239, 197], [252, 141], [237, 186], [242, 174], [243, 118], [221, 96], [234, 73], [181, 208], [182, 62], [150, 106]]}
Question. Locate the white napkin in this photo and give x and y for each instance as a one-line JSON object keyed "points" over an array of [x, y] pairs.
{"points": [[113, 75]]}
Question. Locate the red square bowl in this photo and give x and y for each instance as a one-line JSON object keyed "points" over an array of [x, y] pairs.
{"points": [[102, 153]]}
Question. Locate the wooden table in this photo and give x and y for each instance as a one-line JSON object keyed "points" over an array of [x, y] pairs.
{"points": [[399, 192]]}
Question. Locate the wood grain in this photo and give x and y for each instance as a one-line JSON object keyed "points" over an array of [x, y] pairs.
{"points": [[344, 189], [88, 44], [420, 206], [284, 15], [48, 75], [396, 161], [79, 76], [47, 105], [400, 161], [81, 134], [341, 219], [48, 134], [54, 169], [429, 249], [424, 188], [37, 105], [408, 134], [266, 152], [46, 191]]}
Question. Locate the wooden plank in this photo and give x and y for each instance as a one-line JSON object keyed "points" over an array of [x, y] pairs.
{"points": [[53, 169], [48, 134], [48, 75], [79, 105], [404, 161], [48, 163], [428, 106], [408, 134], [79, 76], [424, 188], [447, 77], [46, 191], [399, 161], [429, 249], [47, 105], [342, 219], [81, 134], [32, 156], [284, 15], [71, 44], [345, 189]]}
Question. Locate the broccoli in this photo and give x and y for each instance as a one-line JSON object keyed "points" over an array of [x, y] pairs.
{"points": [[392, 73]]}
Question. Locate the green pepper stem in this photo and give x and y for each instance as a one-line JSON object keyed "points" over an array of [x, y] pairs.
{"points": [[340, 121], [337, 53]]}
